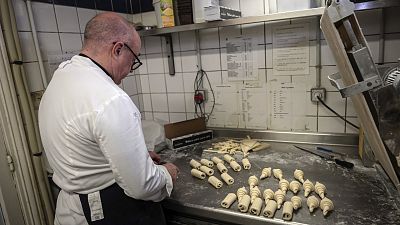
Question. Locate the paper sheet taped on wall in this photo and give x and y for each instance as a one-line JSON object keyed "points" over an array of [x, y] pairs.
{"points": [[241, 58], [240, 107], [254, 107], [226, 112], [291, 49], [287, 110]]}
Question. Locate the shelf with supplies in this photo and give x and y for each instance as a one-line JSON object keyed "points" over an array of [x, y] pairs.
{"points": [[313, 12], [377, 4], [238, 21]]}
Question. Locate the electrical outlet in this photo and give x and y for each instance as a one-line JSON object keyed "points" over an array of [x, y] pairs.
{"points": [[201, 93], [318, 92]]}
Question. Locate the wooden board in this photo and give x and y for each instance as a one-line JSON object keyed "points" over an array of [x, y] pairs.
{"points": [[345, 68]]}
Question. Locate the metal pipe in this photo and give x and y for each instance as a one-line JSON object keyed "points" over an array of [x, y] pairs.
{"points": [[197, 35], [36, 43], [318, 56], [381, 57]]}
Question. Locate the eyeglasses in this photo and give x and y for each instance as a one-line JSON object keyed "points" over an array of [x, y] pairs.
{"points": [[136, 61]]}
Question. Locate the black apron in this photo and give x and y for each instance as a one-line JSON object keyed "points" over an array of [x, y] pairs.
{"points": [[120, 209]]}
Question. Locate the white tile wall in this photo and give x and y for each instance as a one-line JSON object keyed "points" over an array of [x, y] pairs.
{"points": [[170, 98], [350, 128], [311, 124], [350, 110], [174, 83], [187, 41], [143, 68], [336, 102], [147, 105], [327, 58], [129, 84], [152, 44], [177, 117], [175, 42], [330, 125], [70, 42], [188, 81], [141, 102], [177, 62], [252, 7], [189, 103], [50, 44], [189, 61], [84, 15], [148, 116], [28, 47], [255, 31], [21, 15], [210, 59], [226, 33], [135, 100], [157, 83], [176, 102], [44, 16], [33, 76], [155, 63], [160, 116], [69, 25], [209, 38], [144, 83]]}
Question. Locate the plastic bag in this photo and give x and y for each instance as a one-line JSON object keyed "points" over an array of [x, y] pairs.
{"points": [[154, 135]]}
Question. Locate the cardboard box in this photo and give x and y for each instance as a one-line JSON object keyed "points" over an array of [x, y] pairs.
{"points": [[186, 133]]}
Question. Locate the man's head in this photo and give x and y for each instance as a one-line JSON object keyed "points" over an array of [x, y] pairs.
{"points": [[113, 42]]}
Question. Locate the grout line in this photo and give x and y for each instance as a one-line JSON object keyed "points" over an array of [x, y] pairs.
{"points": [[58, 30], [180, 55], [164, 74]]}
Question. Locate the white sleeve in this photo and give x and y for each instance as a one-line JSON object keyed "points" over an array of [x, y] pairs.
{"points": [[118, 131]]}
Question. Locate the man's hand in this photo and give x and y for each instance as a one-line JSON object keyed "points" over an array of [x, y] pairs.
{"points": [[173, 171], [155, 157]]}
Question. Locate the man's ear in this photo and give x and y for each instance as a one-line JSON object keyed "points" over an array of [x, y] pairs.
{"points": [[118, 49]]}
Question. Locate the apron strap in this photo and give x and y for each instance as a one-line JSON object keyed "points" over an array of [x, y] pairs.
{"points": [[120, 209]]}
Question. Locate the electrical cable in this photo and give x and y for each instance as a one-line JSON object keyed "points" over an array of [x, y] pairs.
{"points": [[337, 114]]}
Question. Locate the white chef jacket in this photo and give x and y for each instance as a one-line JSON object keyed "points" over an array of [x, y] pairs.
{"points": [[91, 132]]}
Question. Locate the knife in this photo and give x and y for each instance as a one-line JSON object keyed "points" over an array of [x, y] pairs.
{"points": [[329, 150], [339, 162]]}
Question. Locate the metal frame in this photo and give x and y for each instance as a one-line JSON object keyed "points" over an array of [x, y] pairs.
{"points": [[334, 139]]}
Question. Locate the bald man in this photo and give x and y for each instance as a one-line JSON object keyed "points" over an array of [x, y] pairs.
{"points": [[92, 134]]}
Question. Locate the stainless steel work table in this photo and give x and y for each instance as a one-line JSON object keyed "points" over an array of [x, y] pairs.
{"points": [[360, 195]]}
